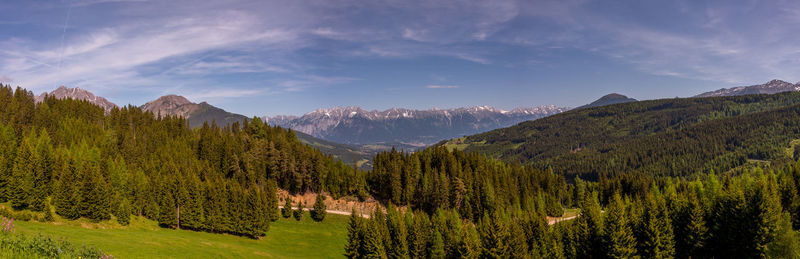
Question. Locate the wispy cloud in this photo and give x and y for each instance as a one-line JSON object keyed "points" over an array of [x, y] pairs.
{"points": [[442, 86], [217, 94], [310, 81]]}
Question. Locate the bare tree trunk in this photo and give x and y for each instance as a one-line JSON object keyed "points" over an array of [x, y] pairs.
{"points": [[179, 216]]}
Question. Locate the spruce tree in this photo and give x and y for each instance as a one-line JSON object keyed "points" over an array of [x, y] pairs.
{"points": [[7, 156], [319, 208], [355, 236], [590, 228], [436, 247], [398, 234], [272, 200], [658, 237], [298, 213], [619, 239], [123, 212], [373, 246], [694, 229], [287, 208]]}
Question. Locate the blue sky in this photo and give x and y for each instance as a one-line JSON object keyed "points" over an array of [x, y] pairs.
{"points": [[291, 57]]}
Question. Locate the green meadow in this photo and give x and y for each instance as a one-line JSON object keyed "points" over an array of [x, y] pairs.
{"points": [[287, 238]]}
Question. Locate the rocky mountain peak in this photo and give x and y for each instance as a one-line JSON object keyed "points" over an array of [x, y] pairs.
{"points": [[172, 105], [772, 87], [63, 92]]}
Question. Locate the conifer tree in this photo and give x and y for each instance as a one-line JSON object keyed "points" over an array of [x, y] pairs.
{"points": [[123, 212], [272, 200], [590, 228], [373, 246], [7, 157], [398, 234], [619, 239], [436, 248], [418, 234], [658, 240], [298, 213], [319, 208], [287, 208], [694, 229], [494, 237], [355, 236]]}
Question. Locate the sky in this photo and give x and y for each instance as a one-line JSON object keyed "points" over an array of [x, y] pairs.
{"points": [[291, 57]]}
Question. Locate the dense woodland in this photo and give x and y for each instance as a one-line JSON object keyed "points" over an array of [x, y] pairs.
{"points": [[752, 215], [84, 163], [671, 137]]}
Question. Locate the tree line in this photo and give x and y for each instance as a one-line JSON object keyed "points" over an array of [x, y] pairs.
{"points": [[84, 162], [752, 215]]}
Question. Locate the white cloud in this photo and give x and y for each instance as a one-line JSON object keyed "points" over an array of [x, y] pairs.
{"points": [[5, 79]]}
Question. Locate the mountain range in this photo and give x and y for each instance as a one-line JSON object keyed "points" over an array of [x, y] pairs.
{"points": [[771, 87], [354, 125]]}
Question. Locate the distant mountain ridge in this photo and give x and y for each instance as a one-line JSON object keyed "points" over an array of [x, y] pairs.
{"points": [[354, 125], [772, 87], [609, 99], [195, 113], [76, 93]]}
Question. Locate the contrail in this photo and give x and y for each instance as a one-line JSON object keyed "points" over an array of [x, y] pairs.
{"points": [[63, 35]]}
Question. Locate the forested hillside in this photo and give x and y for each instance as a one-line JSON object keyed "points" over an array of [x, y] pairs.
{"points": [[752, 215], [70, 155], [665, 137]]}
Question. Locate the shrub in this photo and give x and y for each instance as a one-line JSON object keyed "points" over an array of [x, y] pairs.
{"points": [[298, 213]]}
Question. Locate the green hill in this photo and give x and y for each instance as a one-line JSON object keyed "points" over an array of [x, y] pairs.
{"points": [[667, 137]]}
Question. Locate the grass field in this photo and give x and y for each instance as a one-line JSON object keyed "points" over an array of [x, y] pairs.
{"points": [[286, 238]]}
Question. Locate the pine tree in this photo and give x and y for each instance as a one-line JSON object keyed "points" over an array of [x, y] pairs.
{"points": [[590, 228], [123, 212], [658, 237], [7, 156], [694, 231], [373, 247], [355, 236], [298, 213], [619, 239], [272, 200], [418, 234], [319, 208], [436, 248], [398, 234], [787, 241], [287, 208], [494, 237]]}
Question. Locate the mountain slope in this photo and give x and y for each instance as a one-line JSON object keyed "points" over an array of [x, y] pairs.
{"points": [[725, 132], [198, 113], [195, 113], [354, 125], [76, 93], [609, 99], [771, 87]]}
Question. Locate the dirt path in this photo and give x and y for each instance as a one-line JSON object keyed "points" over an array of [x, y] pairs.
{"points": [[338, 212], [554, 220]]}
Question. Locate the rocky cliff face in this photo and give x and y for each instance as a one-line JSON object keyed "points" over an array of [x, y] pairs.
{"points": [[171, 105], [78, 94]]}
